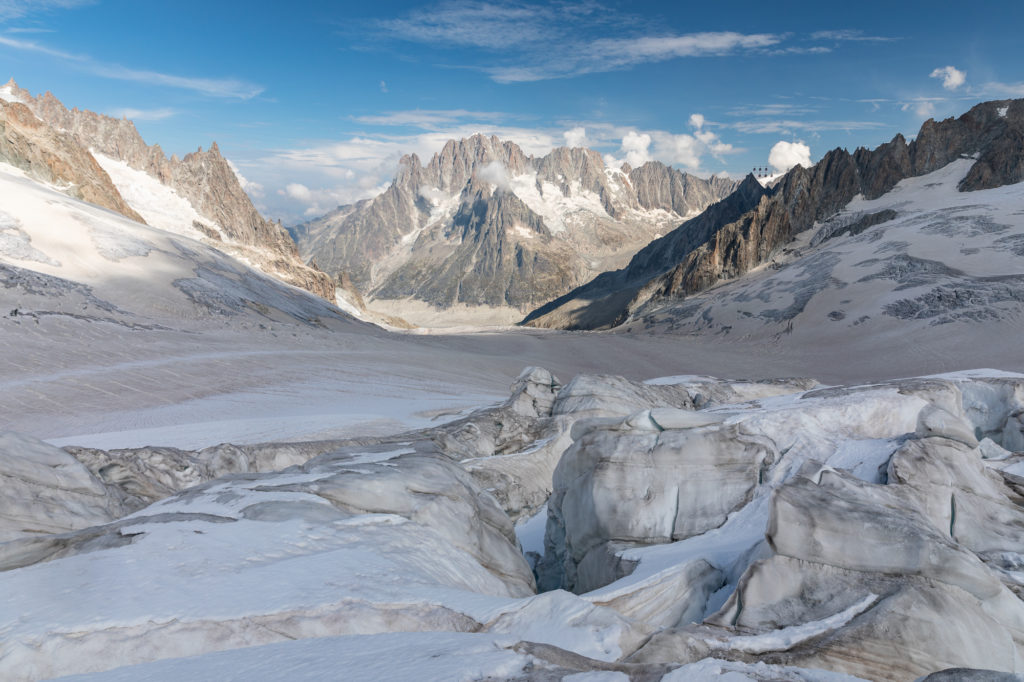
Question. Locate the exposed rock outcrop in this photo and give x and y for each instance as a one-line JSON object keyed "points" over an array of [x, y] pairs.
{"points": [[605, 300], [56, 157], [664, 187]]}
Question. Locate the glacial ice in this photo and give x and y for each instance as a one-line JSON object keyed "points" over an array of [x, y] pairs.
{"points": [[783, 531]]}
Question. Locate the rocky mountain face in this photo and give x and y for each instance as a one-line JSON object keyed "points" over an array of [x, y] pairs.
{"points": [[484, 225], [990, 133], [664, 187], [598, 303], [55, 157], [204, 178]]}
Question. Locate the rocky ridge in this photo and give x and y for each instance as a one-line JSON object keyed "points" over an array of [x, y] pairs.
{"points": [[990, 133], [56, 158], [483, 224], [204, 178]]}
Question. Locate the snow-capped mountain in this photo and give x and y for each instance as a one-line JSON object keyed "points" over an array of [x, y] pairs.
{"points": [[199, 196], [271, 489], [62, 258], [927, 230], [484, 231]]}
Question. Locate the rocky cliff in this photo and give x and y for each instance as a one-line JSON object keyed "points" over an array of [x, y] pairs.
{"points": [[495, 251], [484, 225], [55, 157], [204, 178], [991, 133]]}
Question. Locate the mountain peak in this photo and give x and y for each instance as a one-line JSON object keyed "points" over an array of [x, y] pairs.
{"points": [[453, 166], [750, 183]]}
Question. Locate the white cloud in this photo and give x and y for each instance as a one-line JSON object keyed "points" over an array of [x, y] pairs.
{"points": [[555, 40], [784, 155], [697, 121], [478, 24], [635, 146], [496, 174], [214, 87], [774, 109], [925, 108], [679, 149], [952, 77], [142, 114], [788, 126], [253, 189], [660, 48], [433, 195], [431, 119], [576, 137], [299, 192], [15, 9], [848, 34], [685, 151], [612, 54], [383, 86], [817, 49], [995, 89]]}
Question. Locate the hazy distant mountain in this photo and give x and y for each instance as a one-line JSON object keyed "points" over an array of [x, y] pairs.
{"points": [[105, 161], [487, 227], [798, 224]]}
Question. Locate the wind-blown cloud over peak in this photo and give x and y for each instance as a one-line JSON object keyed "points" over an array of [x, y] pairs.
{"points": [[576, 137], [496, 174], [784, 155], [635, 146]]}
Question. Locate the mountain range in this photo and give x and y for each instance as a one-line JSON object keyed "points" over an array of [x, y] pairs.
{"points": [[484, 232], [794, 225], [210, 473]]}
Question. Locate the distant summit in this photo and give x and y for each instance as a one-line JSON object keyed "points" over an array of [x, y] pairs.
{"points": [[483, 232]]}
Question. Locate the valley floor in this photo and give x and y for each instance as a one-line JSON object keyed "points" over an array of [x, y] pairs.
{"points": [[95, 384]]}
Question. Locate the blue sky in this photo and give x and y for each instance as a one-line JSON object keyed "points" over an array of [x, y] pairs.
{"points": [[316, 101]]}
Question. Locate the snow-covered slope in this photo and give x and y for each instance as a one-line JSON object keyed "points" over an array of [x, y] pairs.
{"points": [[63, 257], [158, 204], [922, 260]]}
